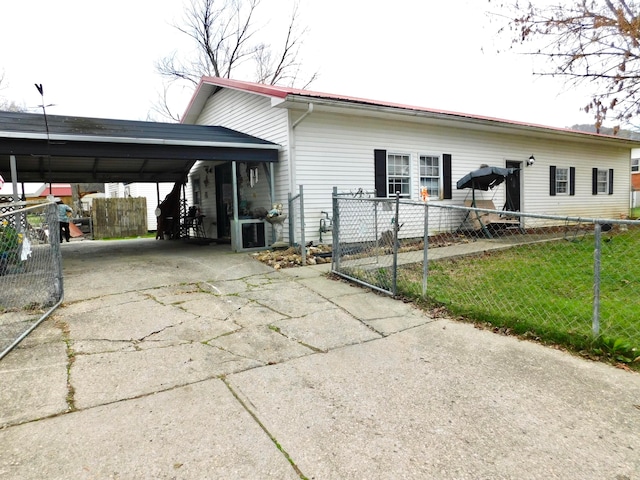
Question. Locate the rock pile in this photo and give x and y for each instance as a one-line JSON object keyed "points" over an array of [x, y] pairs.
{"points": [[291, 256]]}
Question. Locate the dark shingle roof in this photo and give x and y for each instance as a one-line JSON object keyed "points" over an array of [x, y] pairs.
{"points": [[94, 149]]}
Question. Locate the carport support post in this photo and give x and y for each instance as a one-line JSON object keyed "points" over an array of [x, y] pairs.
{"points": [[595, 326], [14, 177], [234, 183], [18, 219]]}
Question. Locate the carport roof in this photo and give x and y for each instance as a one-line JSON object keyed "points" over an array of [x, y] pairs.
{"points": [[81, 149]]}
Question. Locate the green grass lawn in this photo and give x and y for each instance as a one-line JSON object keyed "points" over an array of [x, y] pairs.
{"points": [[545, 291]]}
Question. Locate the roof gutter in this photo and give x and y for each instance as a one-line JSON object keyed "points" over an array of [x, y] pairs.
{"points": [[492, 123]]}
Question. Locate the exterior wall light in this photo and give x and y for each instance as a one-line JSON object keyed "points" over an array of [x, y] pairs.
{"points": [[531, 160]]}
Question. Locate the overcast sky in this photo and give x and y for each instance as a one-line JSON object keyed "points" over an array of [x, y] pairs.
{"points": [[96, 59]]}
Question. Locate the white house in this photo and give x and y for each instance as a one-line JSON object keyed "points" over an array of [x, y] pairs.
{"points": [[330, 140]]}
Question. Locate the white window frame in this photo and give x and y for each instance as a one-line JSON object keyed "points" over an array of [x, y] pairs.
{"points": [[424, 177], [603, 183], [398, 177], [635, 165], [562, 184]]}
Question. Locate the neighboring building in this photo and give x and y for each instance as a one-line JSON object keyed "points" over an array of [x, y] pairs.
{"points": [[39, 191], [330, 140]]}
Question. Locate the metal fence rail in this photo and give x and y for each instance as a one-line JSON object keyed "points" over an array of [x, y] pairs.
{"points": [[30, 269], [575, 277]]}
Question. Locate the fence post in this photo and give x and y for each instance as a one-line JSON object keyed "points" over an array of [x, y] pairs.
{"points": [[396, 228], [303, 243], [335, 233], [595, 325], [425, 253], [291, 220]]}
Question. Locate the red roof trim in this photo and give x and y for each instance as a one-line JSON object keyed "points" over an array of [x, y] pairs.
{"points": [[282, 92], [57, 190]]}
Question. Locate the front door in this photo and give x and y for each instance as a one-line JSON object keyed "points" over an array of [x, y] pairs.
{"points": [[512, 202]]}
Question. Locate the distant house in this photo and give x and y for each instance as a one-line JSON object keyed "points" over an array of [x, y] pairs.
{"points": [[33, 191], [331, 140]]}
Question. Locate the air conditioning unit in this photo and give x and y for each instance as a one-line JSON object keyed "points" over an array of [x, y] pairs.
{"points": [[248, 234]]}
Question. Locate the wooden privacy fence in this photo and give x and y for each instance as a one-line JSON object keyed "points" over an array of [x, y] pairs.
{"points": [[119, 217]]}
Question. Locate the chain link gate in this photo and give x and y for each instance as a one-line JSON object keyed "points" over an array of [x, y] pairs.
{"points": [[31, 285]]}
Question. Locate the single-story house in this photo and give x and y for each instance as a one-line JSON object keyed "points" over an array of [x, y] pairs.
{"points": [[329, 140]]}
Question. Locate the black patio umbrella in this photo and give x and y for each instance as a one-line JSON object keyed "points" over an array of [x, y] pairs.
{"points": [[485, 178]]}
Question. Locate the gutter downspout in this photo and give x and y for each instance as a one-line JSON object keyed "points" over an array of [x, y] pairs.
{"points": [[292, 146], [303, 116]]}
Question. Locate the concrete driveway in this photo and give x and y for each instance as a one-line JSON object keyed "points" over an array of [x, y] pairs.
{"points": [[170, 360]]}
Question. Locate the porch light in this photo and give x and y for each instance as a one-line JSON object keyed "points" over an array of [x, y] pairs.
{"points": [[531, 160]]}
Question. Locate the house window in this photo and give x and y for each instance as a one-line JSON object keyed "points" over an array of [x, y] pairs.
{"points": [[430, 174], [602, 181], [635, 165], [562, 181], [398, 174], [392, 173]]}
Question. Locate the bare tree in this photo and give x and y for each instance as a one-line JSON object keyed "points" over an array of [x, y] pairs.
{"points": [[592, 42], [5, 104], [227, 43]]}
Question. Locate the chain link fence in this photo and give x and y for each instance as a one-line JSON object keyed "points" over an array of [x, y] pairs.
{"points": [[30, 269], [563, 279]]}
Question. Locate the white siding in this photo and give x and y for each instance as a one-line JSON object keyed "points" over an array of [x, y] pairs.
{"points": [[337, 150], [253, 115]]}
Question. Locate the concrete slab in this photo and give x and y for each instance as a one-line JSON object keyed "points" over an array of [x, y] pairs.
{"points": [[129, 321], [34, 383], [326, 330], [288, 298], [390, 325], [373, 306], [197, 431], [110, 377], [203, 364], [261, 344], [331, 288], [449, 401]]}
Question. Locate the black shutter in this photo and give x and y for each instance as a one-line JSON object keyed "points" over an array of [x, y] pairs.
{"points": [[552, 180], [594, 181], [611, 181], [572, 180], [446, 176], [380, 172]]}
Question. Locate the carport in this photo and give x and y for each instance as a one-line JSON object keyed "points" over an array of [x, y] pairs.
{"points": [[39, 148]]}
